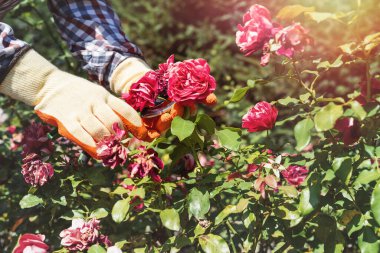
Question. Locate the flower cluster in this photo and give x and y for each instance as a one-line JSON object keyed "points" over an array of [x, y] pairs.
{"points": [[259, 32], [187, 82], [36, 145], [268, 174], [82, 234], [111, 150], [31, 243]]}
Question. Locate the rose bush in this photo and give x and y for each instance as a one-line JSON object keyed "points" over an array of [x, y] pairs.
{"points": [[288, 162]]}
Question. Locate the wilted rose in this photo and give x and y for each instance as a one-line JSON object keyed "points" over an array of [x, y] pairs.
{"points": [[260, 117], [190, 82], [295, 174], [82, 234], [291, 39], [143, 93], [35, 171], [255, 31], [110, 150], [145, 163], [31, 243]]}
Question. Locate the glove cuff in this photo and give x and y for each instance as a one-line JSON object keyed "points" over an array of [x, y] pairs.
{"points": [[127, 73], [27, 78]]}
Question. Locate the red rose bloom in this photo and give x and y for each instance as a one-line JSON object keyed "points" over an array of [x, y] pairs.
{"points": [[35, 171], [145, 163], [190, 82], [295, 174], [33, 243], [110, 150], [36, 140], [350, 130], [260, 117], [143, 93], [255, 31], [291, 39]]}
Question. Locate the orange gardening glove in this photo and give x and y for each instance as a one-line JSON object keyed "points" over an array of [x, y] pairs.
{"points": [[83, 111]]}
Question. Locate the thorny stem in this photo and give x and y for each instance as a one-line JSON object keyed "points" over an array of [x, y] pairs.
{"points": [[298, 75]]}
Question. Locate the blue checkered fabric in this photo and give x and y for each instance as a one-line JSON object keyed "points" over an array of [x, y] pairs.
{"points": [[92, 31]]}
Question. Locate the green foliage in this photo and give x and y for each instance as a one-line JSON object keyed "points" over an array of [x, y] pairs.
{"points": [[236, 197]]}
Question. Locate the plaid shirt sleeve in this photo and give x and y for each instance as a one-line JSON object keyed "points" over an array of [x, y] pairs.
{"points": [[94, 35], [11, 49]]}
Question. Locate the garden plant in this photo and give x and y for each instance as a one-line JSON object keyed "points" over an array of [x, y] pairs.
{"points": [[272, 142]]}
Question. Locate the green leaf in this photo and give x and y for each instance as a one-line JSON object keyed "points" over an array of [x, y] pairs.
{"points": [[230, 209], [239, 94], [292, 11], [213, 244], [325, 119], [321, 16], [120, 210], [302, 133], [96, 249], [206, 122], [198, 203], [99, 213], [368, 241], [309, 199], [358, 110], [29, 201], [288, 100], [229, 139], [342, 167], [224, 213], [182, 128], [170, 219], [327, 65], [62, 201], [375, 202], [367, 176]]}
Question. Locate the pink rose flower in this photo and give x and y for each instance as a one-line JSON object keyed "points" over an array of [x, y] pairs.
{"points": [[83, 234], [190, 82], [205, 161], [145, 163], [31, 243], [36, 140], [260, 117], [291, 39], [295, 174], [255, 31], [162, 74], [35, 171], [350, 130], [110, 150], [143, 93]]}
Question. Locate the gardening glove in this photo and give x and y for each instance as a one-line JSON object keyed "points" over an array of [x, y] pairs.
{"points": [[129, 72], [83, 111]]}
